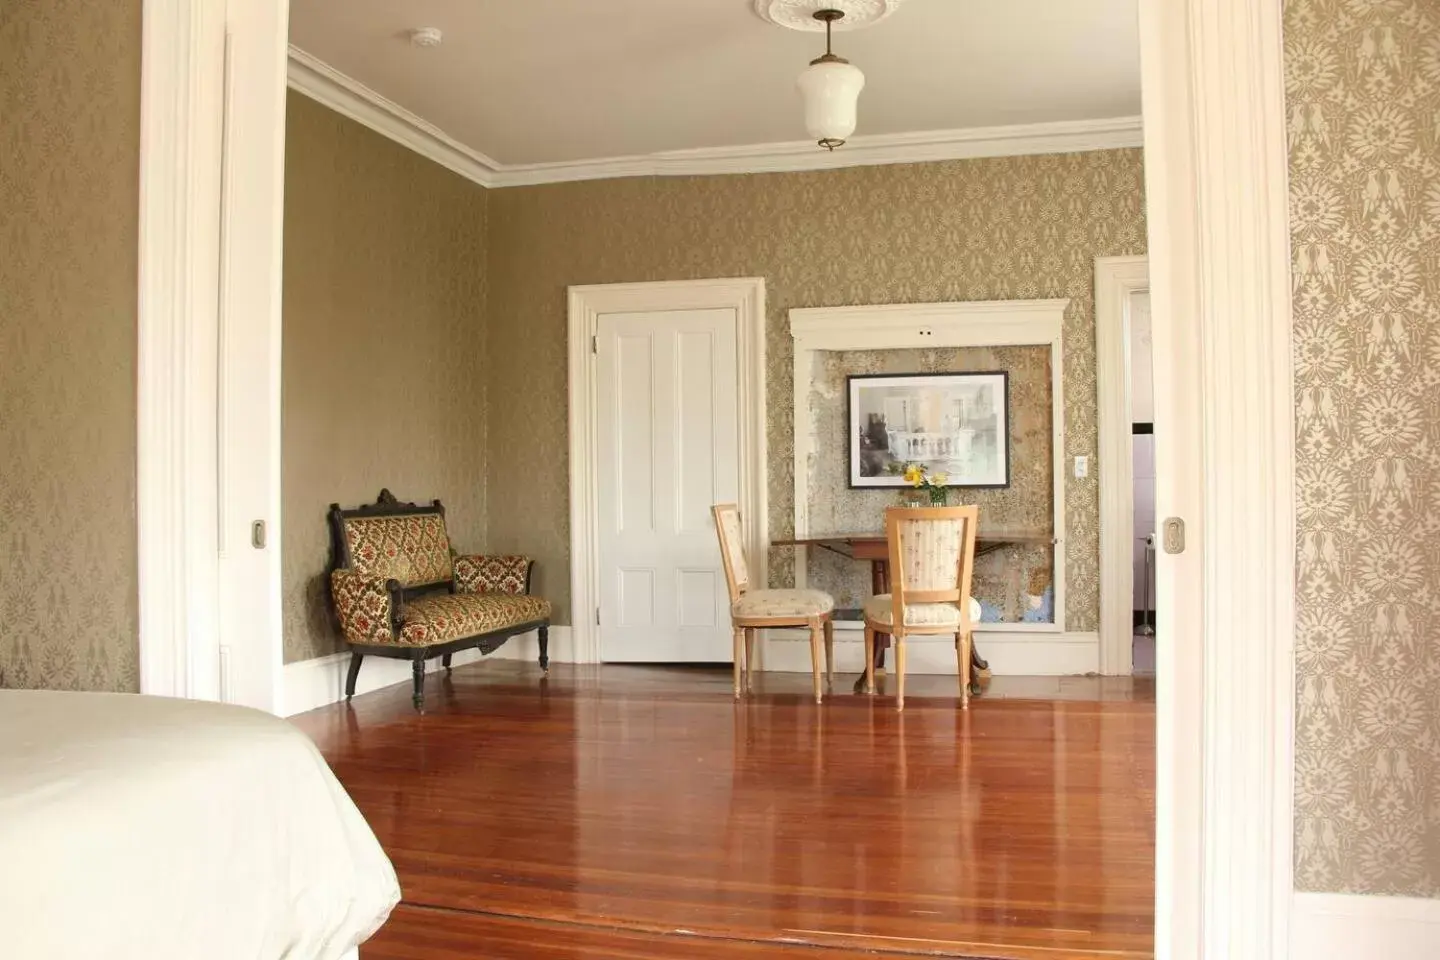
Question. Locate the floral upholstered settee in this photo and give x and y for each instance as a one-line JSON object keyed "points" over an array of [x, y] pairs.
{"points": [[400, 591]]}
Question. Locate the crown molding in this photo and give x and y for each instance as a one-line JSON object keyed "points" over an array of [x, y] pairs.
{"points": [[345, 95], [349, 97]]}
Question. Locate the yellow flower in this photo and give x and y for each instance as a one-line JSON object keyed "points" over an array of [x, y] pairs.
{"points": [[939, 479], [914, 475]]}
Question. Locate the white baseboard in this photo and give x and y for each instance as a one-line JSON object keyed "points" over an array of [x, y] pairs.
{"points": [[316, 683], [1337, 926], [1009, 654]]}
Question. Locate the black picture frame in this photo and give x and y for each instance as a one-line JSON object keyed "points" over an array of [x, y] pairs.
{"points": [[871, 465]]}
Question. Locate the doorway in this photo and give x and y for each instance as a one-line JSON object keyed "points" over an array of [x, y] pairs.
{"points": [[667, 416], [1126, 391], [668, 429], [1223, 832]]}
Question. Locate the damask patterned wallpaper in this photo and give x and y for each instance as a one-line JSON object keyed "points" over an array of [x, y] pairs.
{"points": [[1004, 578], [384, 372], [69, 192], [1003, 228], [1363, 81]]}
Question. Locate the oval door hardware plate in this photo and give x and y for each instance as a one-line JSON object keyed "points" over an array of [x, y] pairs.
{"points": [[1173, 535], [257, 534]]}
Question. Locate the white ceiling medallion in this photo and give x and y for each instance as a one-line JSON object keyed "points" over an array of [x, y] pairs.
{"points": [[800, 14]]}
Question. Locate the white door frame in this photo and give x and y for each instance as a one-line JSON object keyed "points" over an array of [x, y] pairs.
{"points": [[1116, 280], [188, 47], [744, 295], [1216, 197], [181, 114], [1217, 208]]}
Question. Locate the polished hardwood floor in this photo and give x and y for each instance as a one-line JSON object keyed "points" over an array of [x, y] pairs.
{"points": [[634, 812]]}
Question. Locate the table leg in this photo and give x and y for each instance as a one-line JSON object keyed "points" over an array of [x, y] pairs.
{"points": [[879, 583]]}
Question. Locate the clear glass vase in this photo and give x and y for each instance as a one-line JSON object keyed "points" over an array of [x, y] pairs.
{"points": [[939, 496]]}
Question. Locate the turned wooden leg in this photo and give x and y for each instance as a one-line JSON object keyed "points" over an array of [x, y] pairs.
{"points": [[829, 650], [544, 634], [966, 649], [816, 648], [417, 673], [445, 662], [869, 659], [353, 673], [739, 659], [750, 659], [899, 672]]}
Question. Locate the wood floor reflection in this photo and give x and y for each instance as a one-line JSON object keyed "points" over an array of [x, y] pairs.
{"points": [[642, 812]]}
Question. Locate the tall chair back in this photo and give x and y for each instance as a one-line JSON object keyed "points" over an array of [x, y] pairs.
{"points": [[732, 548], [932, 559]]}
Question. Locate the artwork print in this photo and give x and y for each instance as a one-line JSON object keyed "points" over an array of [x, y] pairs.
{"points": [[957, 424]]}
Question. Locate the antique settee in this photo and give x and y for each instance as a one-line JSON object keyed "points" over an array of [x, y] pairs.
{"points": [[400, 591]]}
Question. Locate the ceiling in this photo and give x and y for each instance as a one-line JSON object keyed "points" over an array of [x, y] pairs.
{"points": [[540, 81]]}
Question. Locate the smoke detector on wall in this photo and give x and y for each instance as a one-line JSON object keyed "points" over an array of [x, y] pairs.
{"points": [[426, 36]]}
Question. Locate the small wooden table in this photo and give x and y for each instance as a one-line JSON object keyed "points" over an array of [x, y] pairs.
{"points": [[876, 549]]}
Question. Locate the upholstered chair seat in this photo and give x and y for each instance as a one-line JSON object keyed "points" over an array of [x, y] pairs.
{"points": [[881, 609], [783, 603]]}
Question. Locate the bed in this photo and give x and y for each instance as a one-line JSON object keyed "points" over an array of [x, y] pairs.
{"points": [[145, 827]]}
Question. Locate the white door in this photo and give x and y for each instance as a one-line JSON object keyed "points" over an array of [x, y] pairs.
{"points": [[668, 436]]}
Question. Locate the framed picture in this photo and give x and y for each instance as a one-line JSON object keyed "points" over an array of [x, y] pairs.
{"points": [[957, 424]]}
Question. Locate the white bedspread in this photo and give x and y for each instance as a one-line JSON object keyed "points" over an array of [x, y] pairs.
{"points": [[158, 829]]}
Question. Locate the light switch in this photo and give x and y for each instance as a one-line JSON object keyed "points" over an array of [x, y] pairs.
{"points": [[1082, 467]]}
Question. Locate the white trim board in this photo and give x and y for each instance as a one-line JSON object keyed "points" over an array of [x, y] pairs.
{"points": [[744, 295], [1217, 212], [181, 115], [1009, 654], [1116, 279], [982, 323], [1333, 926], [323, 83], [309, 684]]}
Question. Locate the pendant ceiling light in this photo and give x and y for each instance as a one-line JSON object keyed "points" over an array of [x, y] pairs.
{"points": [[831, 88]]}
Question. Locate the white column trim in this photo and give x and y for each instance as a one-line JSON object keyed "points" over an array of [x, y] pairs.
{"points": [[980, 323], [181, 112], [1116, 278], [1216, 195], [744, 295]]}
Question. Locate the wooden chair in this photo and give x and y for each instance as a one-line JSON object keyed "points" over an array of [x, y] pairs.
{"points": [[932, 557], [751, 610]]}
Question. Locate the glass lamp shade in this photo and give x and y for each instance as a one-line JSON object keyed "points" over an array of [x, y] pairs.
{"points": [[831, 90]]}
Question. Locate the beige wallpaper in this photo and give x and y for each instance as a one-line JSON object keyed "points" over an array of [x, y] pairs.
{"points": [[69, 209], [384, 351], [1015, 227], [1363, 80], [1007, 579]]}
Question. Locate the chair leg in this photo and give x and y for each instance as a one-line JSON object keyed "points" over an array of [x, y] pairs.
{"points": [[829, 650], [966, 647], [869, 659], [445, 662], [739, 659], [816, 647], [353, 673], [417, 674], [899, 671], [544, 637], [750, 659]]}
